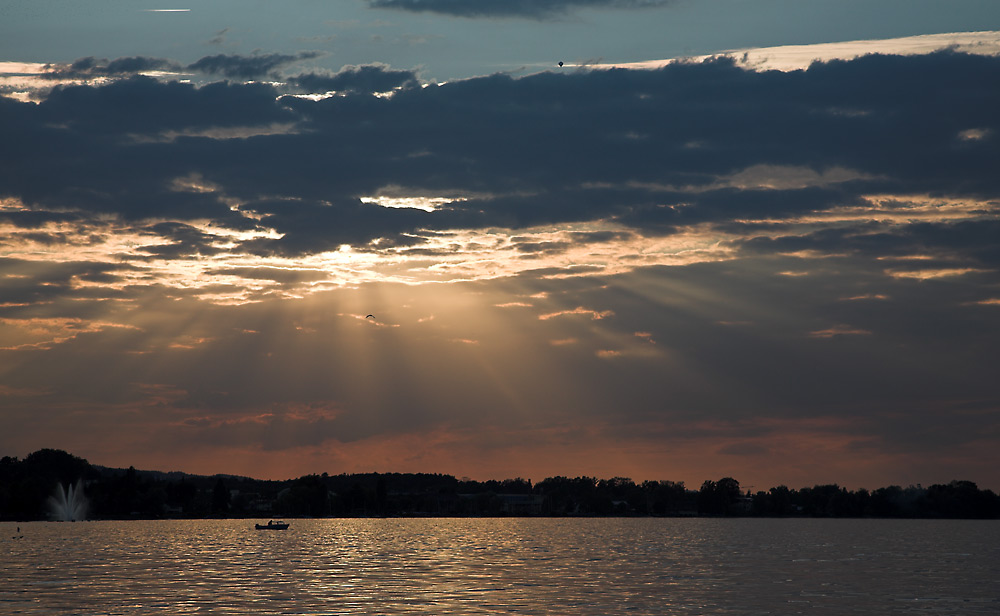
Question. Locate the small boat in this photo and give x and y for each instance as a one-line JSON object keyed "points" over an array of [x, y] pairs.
{"points": [[272, 525]]}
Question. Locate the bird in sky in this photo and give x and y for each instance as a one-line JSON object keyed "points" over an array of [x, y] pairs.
{"points": [[370, 316]]}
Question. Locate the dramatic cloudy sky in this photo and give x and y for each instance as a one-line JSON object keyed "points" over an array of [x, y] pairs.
{"points": [[757, 239]]}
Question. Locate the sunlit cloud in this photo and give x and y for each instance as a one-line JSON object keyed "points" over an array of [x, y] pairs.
{"points": [[30, 68], [563, 342], [427, 204], [45, 333], [793, 274], [798, 57], [788, 177], [975, 134], [839, 330], [928, 274], [221, 133], [647, 336], [189, 342], [792, 57], [866, 296], [595, 315]]}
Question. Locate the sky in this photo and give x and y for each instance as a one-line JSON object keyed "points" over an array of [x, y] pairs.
{"points": [[722, 238]]}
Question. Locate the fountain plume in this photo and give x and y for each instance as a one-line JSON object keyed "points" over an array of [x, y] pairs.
{"points": [[68, 504]]}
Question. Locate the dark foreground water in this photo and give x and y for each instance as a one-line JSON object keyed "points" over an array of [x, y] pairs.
{"points": [[503, 566]]}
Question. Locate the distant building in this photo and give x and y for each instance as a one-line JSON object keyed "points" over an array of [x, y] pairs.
{"points": [[521, 504], [743, 505], [261, 505]]}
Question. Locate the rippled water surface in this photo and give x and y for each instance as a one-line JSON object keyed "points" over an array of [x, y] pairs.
{"points": [[503, 566]]}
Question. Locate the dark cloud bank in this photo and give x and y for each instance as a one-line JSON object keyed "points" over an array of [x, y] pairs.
{"points": [[232, 66], [648, 149], [532, 9]]}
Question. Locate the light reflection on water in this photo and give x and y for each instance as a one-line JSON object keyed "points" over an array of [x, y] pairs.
{"points": [[503, 566]]}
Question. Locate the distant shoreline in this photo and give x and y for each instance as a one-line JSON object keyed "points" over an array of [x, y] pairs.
{"points": [[52, 484]]}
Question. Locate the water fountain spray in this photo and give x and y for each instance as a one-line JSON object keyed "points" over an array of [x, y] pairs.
{"points": [[68, 504]]}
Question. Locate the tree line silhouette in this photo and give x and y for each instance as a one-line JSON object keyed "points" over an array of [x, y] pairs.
{"points": [[27, 485]]}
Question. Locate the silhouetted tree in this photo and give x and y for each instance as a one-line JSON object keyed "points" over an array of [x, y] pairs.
{"points": [[307, 496], [826, 501], [775, 502], [356, 499], [666, 497], [220, 497], [182, 494], [887, 502], [381, 496], [26, 485], [719, 497], [568, 496], [961, 499], [515, 486]]}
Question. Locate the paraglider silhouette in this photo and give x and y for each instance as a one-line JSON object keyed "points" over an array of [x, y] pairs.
{"points": [[371, 316]]}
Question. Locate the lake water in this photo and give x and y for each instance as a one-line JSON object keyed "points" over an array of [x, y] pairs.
{"points": [[594, 566]]}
